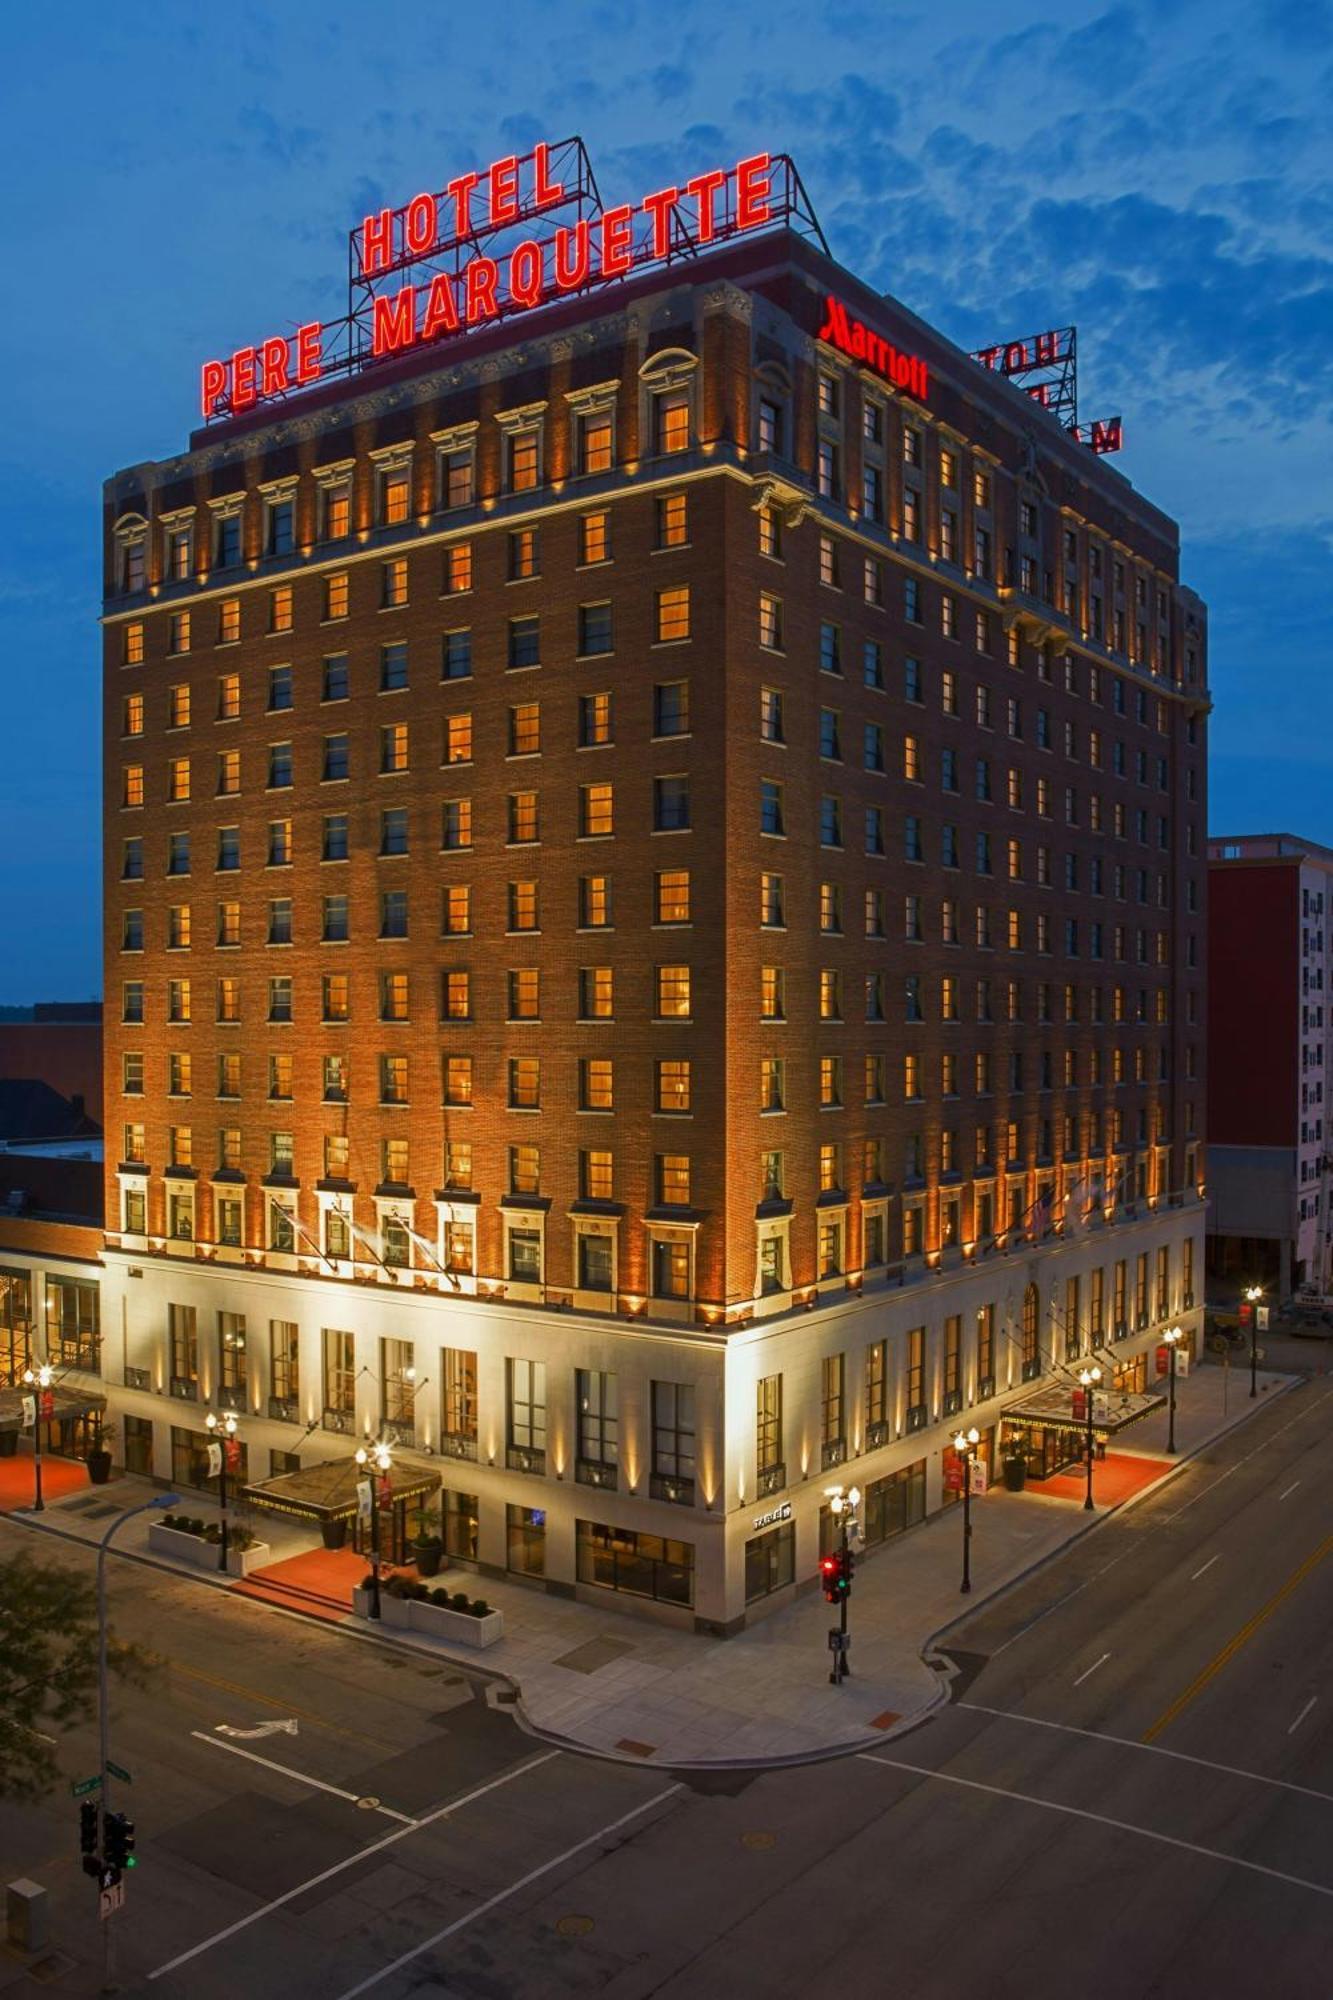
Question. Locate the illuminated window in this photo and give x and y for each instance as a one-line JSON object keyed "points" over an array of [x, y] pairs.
{"points": [[594, 720], [596, 993], [457, 482], [595, 538], [178, 640], [525, 994], [335, 996], [524, 1171], [132, 652], [525, 729], [457, 569], [393, 996], [178, 927], [673, 992], [524, 553], [456, 996], [772, 993], [456, 910], [596, 811], [280, 608], [395, 496], [458, 1079], [771, 1084], [673, 1179], [336, 595], [770, 533], [178, 779], [596, 1083], [671, 420], [229, 697], [672, 521], [458, 739], [458, 1163], [594, 902], [596, 442], [524, 819], [456, 823], [770, 621], [133, 716], [524, 460], [673, 896], [673, 1086], [673, 614], [393, 747]]}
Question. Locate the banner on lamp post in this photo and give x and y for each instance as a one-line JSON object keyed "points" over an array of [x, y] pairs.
{"points": [[364, 1497], [214, 1460], [29, 1412]]}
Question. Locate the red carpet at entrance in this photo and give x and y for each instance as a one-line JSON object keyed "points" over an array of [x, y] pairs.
{"points": [[1115, 1478], [60, 1478], [319, 1582]]}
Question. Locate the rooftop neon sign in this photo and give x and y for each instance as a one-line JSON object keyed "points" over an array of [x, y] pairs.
{"points": [[486, 246]]}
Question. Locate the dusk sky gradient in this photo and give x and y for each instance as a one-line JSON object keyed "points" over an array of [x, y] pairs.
{"points": [[181, 180]]}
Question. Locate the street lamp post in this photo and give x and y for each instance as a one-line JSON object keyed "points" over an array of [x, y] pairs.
{"points": [[965, 1444], [39, 1380], [1254, 1293], [1088, 1377], [1173, 1337], [224, 1430], [844, 1505], [377, 1464], [159, 1501]]}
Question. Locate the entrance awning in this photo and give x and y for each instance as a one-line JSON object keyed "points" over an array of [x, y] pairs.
{"points": [[1053, 1409], [67, 1400], [327, 1492]]}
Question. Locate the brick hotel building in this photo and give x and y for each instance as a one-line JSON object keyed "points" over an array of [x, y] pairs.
{"points": [[654, 919]]}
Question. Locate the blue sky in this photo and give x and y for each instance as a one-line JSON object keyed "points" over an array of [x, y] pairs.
{"points": [[181, 179]]}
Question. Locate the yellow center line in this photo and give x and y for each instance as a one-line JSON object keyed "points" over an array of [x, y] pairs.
{"points": [[1234, 1644]]}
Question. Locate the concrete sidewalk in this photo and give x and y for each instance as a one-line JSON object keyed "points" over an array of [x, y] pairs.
{"points": [[607, 1683]]}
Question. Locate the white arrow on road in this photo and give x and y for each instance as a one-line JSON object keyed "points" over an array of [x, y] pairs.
{"points": [[287, 1726]]}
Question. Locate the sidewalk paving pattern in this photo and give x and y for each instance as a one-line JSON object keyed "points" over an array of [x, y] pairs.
{"points": [[606, 1682]]}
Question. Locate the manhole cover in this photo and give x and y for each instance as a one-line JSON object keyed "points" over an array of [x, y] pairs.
{"points": [[573, 1926], [759, 1840], [368, 1804]]}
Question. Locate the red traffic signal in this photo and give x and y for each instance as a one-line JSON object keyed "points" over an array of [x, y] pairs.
{"points": [[830, 1568]]}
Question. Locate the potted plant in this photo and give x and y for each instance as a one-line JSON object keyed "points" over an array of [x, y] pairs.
{"points": [[1015, 1468], [334, 1533], [427, 1547], [99, 1458]]}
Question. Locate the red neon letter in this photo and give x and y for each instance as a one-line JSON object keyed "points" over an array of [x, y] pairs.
{"points": [[242, 378], [545, 191], [309, 352], [752, 191], [504, 190], [419, 223], [704, 188], [617, 241], [525, 273], [212, 382], [659, 206], [441, 314], [377, 242], [395, 321], [273, 367], [460, 193], [481, 274], [571, 273]]}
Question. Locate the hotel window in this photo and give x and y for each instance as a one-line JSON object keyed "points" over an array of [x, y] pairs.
{"points": [[828, 470], [833, 1370], [456, 996], [280, 999], [672, 1180], [178, 927], [133, 792], [335, 997], [595, 629], [673, 896], [340, 1372], [673, 521], [393, 747], [771, 819], [596, 1084], [336, 510], [524, 1170], [673, 614], [524, 554], [457, 739], [131, 1006], [596, 811], [594, 902], [772, 993], [229, 697], [132, 722], [596, 993], [178, 639], [337, 759], [229, 1000], [770, 716], [457, 569], [596, 1175], [671, 804], [594, 720], [280, 608], [523, 459], [671, 420], [133, 1150], [131, 867], [393, 996], [770, 621], [524, 910], [335, 683], [334, 842], [830, 1083], [830, 821], [770, 533], [673, 1086], [525, 994], [131, 1079], [458, 1401], [280, 1076], [768, 1426], [524, 730], [772, 915], [394, 1162], [525, 1394], [596, 438], [458, 1080], [457, 477], [132, 652], [279, 766], [393, 913], [394, 830], [671, 708], [335, 1079], [336, 596], [395, 495], [178, 1000], [772, 1084], [594, 539], [672, 992], [393, 667], [525, 641]]}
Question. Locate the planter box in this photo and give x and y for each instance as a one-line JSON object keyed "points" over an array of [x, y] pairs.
{"points": [[194, 1551], [432, 1621]]}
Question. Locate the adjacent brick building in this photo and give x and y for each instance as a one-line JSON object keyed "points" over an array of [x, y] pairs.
{"points": [[1270, 1160], [654, 931]]}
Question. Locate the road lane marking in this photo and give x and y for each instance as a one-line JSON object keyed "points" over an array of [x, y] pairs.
{"points": [[301, 1777], [274, 1701], [1309, 1409], [1095, 1818], [284, 1725], [1304, 1712], [503, 1895], [351, 1860], [1151, 1749], [1092, 1670], [1207, 1566], [1291, 1489], [1234, 1644]]}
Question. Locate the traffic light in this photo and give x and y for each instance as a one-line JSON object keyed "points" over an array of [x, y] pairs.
{"points": [[830, 1572], [118, 1840], [88, 1837], [845, 1573]]}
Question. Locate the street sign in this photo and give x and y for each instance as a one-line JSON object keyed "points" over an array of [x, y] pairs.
{"points": [[839, 1642], [110, 1900], [86, 1785], [117, 1771]]}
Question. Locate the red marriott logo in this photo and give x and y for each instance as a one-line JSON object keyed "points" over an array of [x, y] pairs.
{"points": [[854, 338]]}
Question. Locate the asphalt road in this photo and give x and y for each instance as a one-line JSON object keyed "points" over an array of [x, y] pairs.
{"points": [[1132, 1795]]}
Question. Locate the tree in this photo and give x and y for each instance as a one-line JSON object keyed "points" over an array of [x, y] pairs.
{"points": [[48, 1666]]}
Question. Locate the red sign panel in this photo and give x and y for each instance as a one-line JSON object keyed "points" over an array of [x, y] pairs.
{"points": [[48, 1402], [232, 1447], [855, 339]]}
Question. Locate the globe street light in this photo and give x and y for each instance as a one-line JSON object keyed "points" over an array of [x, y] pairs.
{"points": [[223, 1431], [844, 1506], [1254, 1293], [376, 1463], [1173, 1337], [1088, 1377], [39, 1380], [965, 1445]]}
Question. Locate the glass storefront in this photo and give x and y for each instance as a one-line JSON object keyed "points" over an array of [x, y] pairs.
{"points": [[770, 1561], [525, 1548], [895, 1503], [641, 1565], [460, 1524], [15, 1324], [139, 1445]]}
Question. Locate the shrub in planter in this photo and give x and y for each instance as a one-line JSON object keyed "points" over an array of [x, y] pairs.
{"points": [[440, 1596], [479, 1608], [459, 1601]]}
